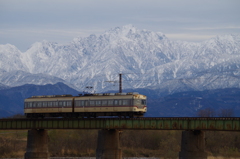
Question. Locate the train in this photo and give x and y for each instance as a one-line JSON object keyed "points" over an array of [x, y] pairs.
{"points": [[130, 104]]}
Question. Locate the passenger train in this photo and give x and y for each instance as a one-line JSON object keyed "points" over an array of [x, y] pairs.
{"points": [[88, 105]]}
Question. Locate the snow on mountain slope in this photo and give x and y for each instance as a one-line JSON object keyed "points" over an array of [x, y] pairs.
{"points": [[2, 86], [18, 78], [147, 59], [10, 58]]}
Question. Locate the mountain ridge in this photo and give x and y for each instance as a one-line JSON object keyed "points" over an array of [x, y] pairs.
{"points": [[183, 104], [148, 59], [12, 99]]}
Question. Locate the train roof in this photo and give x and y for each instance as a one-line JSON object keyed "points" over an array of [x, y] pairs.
{"points": [[84, 95]]}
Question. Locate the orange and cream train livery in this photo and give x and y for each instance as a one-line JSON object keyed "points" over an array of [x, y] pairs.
{"points": [[88, 105]]}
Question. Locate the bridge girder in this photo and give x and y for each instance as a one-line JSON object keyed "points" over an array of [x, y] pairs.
{"points": [[214, 124]]}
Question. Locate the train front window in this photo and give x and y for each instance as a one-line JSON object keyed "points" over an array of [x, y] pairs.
{"points": [[144, 102], [137, 102]]}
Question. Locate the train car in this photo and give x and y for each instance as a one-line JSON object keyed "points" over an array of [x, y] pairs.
{"points": [[94, 105], [111, 104], [50, 106]]}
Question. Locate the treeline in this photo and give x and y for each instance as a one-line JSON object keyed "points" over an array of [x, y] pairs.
{"points": [[141, 143], [210, 112]]}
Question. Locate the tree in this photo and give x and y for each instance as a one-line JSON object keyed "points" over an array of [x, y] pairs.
{"points": [[226, 113], [207, 112]]}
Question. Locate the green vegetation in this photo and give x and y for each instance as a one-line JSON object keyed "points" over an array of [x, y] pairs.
{"points": [[72, 143]]}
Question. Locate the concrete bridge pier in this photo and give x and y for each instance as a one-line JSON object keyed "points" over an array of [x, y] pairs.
{"points": [[108, 146], [37, 144], [193, 145]]}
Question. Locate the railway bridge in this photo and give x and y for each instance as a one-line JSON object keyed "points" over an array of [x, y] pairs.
{"points": [[192, 145]]}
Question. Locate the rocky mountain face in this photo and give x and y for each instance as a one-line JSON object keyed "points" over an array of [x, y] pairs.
{"points": [[146, 59]]}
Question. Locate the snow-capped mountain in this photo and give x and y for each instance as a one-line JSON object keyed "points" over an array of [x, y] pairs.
{"points": [[15, 78], [10, 58], [146, 59]]}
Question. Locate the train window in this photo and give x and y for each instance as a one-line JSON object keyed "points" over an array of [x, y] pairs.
{"points": [[25, 105], [64, 104], [143, 102], [91, 103], [60, 104], [34, 104], [77, 103], [120, 102], [69, 104], [44, 104], [86, 103], [115, 102], [137, 102], [39, 104], [131, 102], [50, 104], [30, 105], [110, 102], [54, 104], [98, 103], [104, 102], [82, 102], [125, 102]]}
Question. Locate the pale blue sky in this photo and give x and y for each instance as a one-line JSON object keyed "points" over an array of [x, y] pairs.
{"points": [[23, 22]]}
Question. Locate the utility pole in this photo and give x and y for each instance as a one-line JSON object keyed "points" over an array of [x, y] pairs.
{"points": [[120, 83]]}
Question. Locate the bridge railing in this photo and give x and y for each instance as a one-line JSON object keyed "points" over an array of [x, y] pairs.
{"points": [[220, 124]]}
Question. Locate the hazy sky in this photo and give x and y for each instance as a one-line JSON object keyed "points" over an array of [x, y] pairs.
{"points": [[23, 22]]}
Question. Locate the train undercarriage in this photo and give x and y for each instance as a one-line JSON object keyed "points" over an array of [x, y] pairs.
{"points": [[86, 115]]}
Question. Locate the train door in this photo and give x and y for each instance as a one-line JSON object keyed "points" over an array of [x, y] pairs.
{"points": [[126, 103], [34, 107], [60, 106], [115, 105], [110, 105], [86, 105]]}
